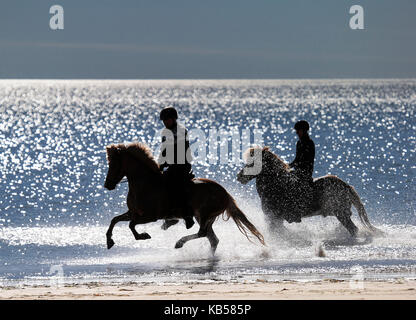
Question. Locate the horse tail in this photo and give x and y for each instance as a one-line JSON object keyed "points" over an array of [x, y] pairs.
{"points": [[240, 219], [362, 213]]}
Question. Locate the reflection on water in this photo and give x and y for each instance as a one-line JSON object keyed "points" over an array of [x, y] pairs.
{"points": [[54, 210], [237, 259]]}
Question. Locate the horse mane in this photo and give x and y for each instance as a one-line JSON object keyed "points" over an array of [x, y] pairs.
{"points": [[138, 150], [271, 160]]}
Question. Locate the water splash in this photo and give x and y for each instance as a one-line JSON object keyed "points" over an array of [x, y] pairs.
{"points": [[52, 167]]}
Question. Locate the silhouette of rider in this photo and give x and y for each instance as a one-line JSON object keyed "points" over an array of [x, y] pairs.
{"points": [[175, 158], [303, 170]]}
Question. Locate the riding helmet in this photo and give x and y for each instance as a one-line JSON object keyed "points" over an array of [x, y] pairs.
{"points": [[168, 113], [302, 125]]}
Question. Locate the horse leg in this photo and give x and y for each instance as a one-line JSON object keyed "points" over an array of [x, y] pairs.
{"points": [[185, 239], [213, 240], [276, 224], [168, 223], [114, 221], [345, 218], [203, 230], [138, 236]]}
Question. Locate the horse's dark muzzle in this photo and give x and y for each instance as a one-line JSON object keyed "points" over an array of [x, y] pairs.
{"points": [[242, 180], [109, 186]]}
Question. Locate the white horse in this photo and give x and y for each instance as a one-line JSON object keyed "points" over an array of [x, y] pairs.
{"points": [[276, 184]]}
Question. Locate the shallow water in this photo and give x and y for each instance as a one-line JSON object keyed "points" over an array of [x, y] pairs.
{"points": [[55, 211]]}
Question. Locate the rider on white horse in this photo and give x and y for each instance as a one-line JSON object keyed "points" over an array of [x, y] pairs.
{"points": [[303, 169]]}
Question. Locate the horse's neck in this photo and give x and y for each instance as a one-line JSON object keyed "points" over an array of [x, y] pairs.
{"points": [[139, 175], [275, 179]]}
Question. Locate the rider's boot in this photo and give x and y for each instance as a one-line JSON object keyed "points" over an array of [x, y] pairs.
{"points": [[189, 217], [188, 212], [189, 222]]}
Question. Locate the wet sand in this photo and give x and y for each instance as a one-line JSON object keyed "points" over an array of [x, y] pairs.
{"points": [[324, 289]]}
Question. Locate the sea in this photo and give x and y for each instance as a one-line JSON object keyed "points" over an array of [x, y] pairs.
{"points": [[54, 210]]}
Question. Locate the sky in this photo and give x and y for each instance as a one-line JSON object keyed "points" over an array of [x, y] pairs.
{"points": [[158, 39]]}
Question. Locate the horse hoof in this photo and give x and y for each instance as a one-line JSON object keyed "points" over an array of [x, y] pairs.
{"points": [[213, 250], [110, 243], [144, 236], [178, 245]]}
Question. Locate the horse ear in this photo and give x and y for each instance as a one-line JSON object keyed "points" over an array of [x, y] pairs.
{"points": [[120, 147], [108, 151], [112, 150]]}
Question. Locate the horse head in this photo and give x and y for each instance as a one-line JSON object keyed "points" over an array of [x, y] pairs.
{"points": [[132, 160], [115, 169], [260, 161]]}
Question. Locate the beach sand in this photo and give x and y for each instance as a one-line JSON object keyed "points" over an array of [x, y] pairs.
{"points": [[324, 289]]}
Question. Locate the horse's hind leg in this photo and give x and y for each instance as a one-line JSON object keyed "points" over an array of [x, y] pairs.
{"points": [[138, 236], [277, 229], [213, 240], [185, 239], [114, 221], [203, 231], [168, 223], [345, 218]]}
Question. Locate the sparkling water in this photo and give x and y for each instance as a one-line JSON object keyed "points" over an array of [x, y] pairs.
{"points": [[54, 210]]}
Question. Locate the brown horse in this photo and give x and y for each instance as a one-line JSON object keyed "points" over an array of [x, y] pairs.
{"points": [[276, 186], [147, 193]]}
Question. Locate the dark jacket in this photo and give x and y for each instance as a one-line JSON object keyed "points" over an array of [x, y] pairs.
{"points": [[305, 157], [182, 153]]}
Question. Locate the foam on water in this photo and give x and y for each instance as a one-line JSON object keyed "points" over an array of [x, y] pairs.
{"points": [[54, 210], [81, 252]]}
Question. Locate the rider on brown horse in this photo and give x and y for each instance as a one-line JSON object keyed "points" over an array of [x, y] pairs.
{"points": [[175, 157], [303, 169]]}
